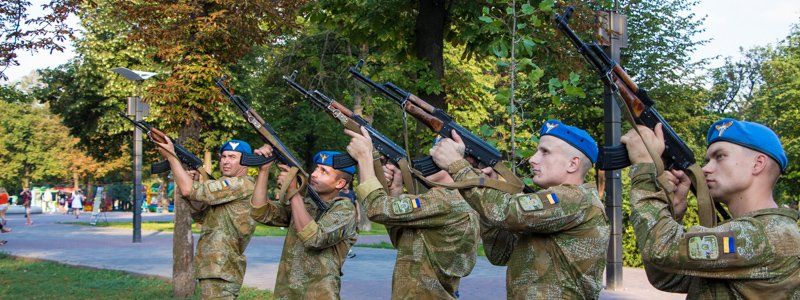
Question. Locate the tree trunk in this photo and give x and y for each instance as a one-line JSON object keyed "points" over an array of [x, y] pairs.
{"points": [[429, 43], [207, 161], [76, 179], [183, 282], [89, 188]]}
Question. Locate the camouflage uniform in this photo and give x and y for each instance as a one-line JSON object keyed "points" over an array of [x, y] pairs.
{"points": [[220, 262], [436, 236], [755, 256], [554, 242], [312, 259]]}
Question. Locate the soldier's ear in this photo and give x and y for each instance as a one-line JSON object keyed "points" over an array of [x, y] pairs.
{"points": [[574, 165], [760, 162]]}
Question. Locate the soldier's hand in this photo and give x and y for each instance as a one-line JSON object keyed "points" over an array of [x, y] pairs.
{"points": [[283, 177], [166, 149], [489, 172], [681, 183], [360, 147], [636, 149], [395, 179], [194, 175], [266, 151], [448, 151]]}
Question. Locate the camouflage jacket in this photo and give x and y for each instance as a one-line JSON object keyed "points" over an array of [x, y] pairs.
{"points": [[755, 256], [436, 236], [227, 227], [312, 259], [553, 241]]}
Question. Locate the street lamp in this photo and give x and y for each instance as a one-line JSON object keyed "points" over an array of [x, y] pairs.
{"points": [[137, 110]]}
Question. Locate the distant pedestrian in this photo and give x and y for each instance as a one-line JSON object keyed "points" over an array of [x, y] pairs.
{"points": [[47, 201], [77, 203], [3, 205], [26, 202]]}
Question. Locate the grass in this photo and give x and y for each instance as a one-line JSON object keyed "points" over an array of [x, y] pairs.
{"points": [[261, 229], [33, 279]]}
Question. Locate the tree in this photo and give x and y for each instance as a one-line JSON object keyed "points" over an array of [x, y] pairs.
{"points": [[32, 142], [196, 42], [20, 31]]}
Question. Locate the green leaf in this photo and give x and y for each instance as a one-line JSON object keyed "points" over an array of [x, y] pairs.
{"points": [[574, 77], [485, 19], [511, 109], [572, 90], [546, 5], [485, 10], [554, 82], [527, 181], [535, 20], [486, 130], [502, 96], [556, 100], [527, 9], [535, 75], [521, 26]]}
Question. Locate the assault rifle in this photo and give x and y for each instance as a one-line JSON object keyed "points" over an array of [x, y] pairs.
{"points": [[442, 123], [393, 152], [185, 156], [281, 152], [676, 156]]}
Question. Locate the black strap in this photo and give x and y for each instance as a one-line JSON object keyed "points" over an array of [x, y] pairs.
{"points": [[613, 158], [159, 167], [251, 160]]}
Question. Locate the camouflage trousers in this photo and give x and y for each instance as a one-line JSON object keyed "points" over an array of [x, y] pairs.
{"points": [[216, 288]]}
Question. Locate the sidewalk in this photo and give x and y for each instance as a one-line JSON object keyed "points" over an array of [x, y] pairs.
{"points": [[367, 276]]}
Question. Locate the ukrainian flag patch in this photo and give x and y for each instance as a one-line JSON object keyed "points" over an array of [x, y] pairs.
{"points": [[416, 203], [226, 183], [552, 198], [728, 244]]}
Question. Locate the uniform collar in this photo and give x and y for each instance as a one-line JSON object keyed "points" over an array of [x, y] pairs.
{"points": [[786, 212]]}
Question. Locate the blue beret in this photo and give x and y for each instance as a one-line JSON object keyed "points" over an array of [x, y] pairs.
{"points": [[236, 145], [574, 136], [327, 158], [751, 135]]}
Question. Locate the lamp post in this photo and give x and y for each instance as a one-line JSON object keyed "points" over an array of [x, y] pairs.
{"points": [[613, 36], [137, 110]]}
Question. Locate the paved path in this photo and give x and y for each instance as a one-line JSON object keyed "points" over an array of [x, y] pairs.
{"points": [[367, 276]]}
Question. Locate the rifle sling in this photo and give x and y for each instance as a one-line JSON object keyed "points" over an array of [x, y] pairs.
{"points": [[705, 205]]}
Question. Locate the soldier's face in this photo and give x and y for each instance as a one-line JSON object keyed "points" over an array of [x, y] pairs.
{"points": [[550, 162], [325, 180], [726, 172], [229, 164]]}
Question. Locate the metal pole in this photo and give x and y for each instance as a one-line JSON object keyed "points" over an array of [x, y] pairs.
{"points": [[137, 173], [616, 33]]}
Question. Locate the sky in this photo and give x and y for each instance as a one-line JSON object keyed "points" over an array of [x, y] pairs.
{"points": [[729, 24]]}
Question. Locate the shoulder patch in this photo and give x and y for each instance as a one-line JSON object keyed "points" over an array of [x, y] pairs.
{"points": [[214, 186], [401, 206], [703, 247], [529, 202], [712, 246]]}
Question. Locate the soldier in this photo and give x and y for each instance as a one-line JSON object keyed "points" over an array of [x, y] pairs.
{"points": [[553, 241], [315, 249], [755, 255], [435, 233], [225, 214]]}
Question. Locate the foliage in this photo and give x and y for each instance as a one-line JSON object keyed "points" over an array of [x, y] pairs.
{"points": [[20, 31], [34, 145]]}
